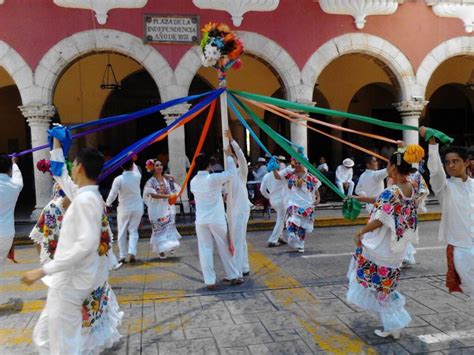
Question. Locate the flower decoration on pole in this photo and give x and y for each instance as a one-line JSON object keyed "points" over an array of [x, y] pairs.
{"points": [[221, 49]]}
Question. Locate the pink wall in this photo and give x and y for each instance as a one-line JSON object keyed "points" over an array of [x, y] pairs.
{"points": [[33, 27]]}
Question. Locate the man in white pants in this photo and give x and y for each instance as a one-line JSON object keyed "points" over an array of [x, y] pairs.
{"points": [[129, 210], [11, 183], [75, 270], [211, 223], [344, 174], [456, 196], [273, 190], [240, 208]]}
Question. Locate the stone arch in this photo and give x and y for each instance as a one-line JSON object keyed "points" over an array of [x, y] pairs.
{"points": [[61, 55], [18, 69], [451, 48], [262, 47], [364, 43]]}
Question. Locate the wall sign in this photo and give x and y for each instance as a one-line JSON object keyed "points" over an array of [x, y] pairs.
{"points": [[180, 29]]}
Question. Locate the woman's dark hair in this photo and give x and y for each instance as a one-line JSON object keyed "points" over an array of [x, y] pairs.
{"points": [[127, 165], [402, 166], [202, 161], [92, 160]]}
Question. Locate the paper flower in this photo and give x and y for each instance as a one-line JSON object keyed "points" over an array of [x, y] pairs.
{"points": [[220, 47]]}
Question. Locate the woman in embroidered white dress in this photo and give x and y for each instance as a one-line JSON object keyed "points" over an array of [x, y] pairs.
{"points": [[301, 197], [158, 190], [382, 244]]}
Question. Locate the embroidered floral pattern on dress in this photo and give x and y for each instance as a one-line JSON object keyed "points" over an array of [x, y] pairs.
{"points": [[95, 305], [382, 279], [295, 231], [47, 228], [300, 211], [392, 203], [105, 236], [294, 180]]}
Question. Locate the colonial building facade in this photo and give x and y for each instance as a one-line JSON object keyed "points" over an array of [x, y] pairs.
{"points": [[404, 61]]}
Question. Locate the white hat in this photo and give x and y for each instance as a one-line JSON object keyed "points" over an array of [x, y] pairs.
{"points": [[261, 160], [348, 163], [282, 158]]}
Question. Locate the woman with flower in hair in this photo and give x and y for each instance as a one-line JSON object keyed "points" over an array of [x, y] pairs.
{"points": [[382, 244], [158, 192], [301, 196]]}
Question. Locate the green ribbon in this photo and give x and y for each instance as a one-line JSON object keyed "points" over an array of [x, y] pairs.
{"points": [[443, 138], [351, 207]]}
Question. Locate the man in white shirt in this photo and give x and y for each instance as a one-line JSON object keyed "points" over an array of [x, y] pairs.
{"points": [[129, 210], [211, 223], [371, 182], [456, 196], [323, 166], [11, 183], [76, 269], [282, 162], [344, 176], [261, 170], [240, 208], [273, 190]]}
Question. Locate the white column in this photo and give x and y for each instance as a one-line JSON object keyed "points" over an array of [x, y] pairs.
{"points": [[177, 147], [39, 118], [410, 112], [299, 133]]}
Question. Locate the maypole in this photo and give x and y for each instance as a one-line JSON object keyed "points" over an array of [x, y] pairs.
{"points": [[221, 49]]}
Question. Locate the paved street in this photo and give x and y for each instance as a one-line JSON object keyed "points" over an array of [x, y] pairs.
{"points": [[290, 304]]}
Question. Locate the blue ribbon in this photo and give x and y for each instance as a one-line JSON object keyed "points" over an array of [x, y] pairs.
{"points": [[246, 125], [145, 112], [127, 153]]}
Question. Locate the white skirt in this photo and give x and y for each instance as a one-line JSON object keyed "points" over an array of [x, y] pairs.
{"points": [[391, 311], [103, 334]]}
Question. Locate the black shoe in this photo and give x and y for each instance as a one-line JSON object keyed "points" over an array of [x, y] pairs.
{"points": [[273, 245], [122, 261], [132, 259], [237, 281], [246, 273], [282, 241]]}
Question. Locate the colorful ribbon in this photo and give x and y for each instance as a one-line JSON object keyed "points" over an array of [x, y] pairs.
{"points": [[137, 147], [351, 207]]}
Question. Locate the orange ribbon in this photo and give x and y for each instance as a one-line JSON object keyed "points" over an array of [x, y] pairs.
{"points": [[276, 110], [172, 200]]}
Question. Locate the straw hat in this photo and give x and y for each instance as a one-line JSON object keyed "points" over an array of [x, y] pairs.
{"points": [[348, 163], [282, 158], [261, 160]]}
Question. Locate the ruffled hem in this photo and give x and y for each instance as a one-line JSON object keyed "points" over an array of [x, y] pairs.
{"points": [[105, 334], [303, 222], [410, 254], [36, 236], [391, 311], [165, 242]]}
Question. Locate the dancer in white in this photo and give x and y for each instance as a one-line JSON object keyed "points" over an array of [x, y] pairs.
{"points": [[301, 197], [344, 174], [371, 182], [78, 288], [156, 194], [11, 184], [240, 208], [211, 225], [456, 195], [374, 271], [273, 190], [129, 210]]}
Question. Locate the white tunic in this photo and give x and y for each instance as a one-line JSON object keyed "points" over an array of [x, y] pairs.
{"points": [[371, 184], [457, 201], [260, 173], [77, 260], [240, 200], [127, 188], [273, 189], [207, 190], [10, 188]]}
